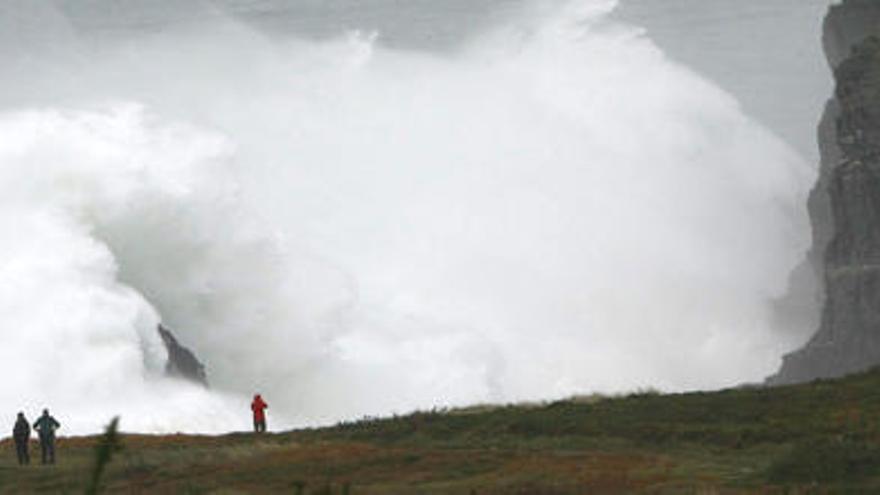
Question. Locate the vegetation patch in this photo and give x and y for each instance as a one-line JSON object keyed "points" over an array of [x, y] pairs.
{"points": [[822, 437]]}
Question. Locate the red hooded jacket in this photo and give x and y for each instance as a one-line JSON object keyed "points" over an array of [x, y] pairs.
{"points": [[258, 406]]}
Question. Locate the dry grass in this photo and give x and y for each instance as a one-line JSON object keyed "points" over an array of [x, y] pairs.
{"points": [[816, 438]]}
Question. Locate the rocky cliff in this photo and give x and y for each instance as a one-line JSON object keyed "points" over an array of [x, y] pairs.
{"points": [[845, 204], [847, 25], [182, 363]]}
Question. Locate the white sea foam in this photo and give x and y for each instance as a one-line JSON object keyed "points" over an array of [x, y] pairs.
{"points": [[351, 229]]}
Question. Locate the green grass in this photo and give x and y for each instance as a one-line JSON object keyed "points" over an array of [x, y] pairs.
{"points": [[822, 437]]}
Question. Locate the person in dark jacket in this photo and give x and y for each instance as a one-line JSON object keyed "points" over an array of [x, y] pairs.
{"points": [[21, 433], [259, 407], [46, 427]]}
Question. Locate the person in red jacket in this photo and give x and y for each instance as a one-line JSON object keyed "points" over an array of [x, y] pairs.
{"points": [[258, 406]]}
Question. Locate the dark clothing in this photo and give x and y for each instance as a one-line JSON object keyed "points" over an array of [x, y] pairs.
{"points": [[21, 450], [46, 427], [22, 434], [259, 407], [47, 450], [22, 429]]}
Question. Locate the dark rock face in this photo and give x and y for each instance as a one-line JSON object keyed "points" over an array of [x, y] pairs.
{"points": [[845, 204], [847, 25], [182, 363]]}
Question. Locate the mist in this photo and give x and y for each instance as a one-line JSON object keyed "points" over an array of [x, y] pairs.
{"points": [[353, 228]]}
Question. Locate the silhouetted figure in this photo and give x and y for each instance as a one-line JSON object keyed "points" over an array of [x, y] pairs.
{"points": [[258, 406], [21, 433], [46, 427]]}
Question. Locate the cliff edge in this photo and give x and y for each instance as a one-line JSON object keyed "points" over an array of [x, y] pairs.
{"points": [[845, 204]]}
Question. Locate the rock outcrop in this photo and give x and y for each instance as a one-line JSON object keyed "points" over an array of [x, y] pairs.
{"points": [[845, 204], [847, 25], [182, 363]]}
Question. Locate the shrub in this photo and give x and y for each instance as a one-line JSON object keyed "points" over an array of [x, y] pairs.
{"points": [[107, 446], [826, 460]]}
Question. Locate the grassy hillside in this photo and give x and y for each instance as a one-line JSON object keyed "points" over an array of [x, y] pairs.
{"points": [[822, 437]]}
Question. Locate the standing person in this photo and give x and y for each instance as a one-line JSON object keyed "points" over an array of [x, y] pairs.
{"points": [[21, 433], [46, 427], [258, 406]]}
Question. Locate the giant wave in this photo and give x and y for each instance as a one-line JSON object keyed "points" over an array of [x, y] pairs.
{"points": [[350, 228]]}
